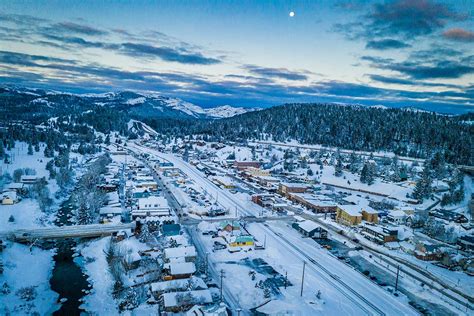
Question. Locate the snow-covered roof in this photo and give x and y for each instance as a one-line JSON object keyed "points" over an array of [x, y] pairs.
{"points": [[308, 226], [180, 284], [196, 297], [179, 252], [182, 268], [354, 210], [397, 214], [153, 202]]}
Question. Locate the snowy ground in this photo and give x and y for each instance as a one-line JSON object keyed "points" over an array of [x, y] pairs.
{"points": [[25, 267]]}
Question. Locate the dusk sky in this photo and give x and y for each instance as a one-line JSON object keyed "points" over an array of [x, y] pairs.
{"points": [[247, 53]]}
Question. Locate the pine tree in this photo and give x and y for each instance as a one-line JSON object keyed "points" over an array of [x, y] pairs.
{"points": [[30, 150], [338, 168]]}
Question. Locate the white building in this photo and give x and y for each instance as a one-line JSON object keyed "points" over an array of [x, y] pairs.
{"points": [[151, 206]]}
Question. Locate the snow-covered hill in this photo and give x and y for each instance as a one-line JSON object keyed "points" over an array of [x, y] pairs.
{"points": [[138, 104]]}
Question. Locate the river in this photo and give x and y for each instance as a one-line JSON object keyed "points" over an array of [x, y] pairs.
{"points": [[68, 279]]}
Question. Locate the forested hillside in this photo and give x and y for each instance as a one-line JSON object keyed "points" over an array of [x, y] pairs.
{"points": [[405, 132]]}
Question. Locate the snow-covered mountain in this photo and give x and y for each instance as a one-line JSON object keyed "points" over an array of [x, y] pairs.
{"points": [[227, 111], [137, 104]]}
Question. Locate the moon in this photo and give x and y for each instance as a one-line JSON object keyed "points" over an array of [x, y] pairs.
{"points": [[292, 14]]}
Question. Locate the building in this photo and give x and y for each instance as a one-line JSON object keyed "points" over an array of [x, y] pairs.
{"points": [[242, 241], [427, 252], [466, 243], [179, 270], [9, 198], [264, 200], [29, 179], [147, 185], [151, 206], [316, 203], [349, 215], [397, 217], [181, 254], [310, 229], [370, 215], [448, 216], [196, 283], [257, 172], [229, 226], [243, 165], [379, 234], [174, 302], [287, 188], [224, 181]]}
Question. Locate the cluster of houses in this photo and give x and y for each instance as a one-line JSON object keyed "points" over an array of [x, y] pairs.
{"points": [[12, 192]]}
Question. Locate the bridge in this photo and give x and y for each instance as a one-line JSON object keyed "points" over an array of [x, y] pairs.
{"points": [[60, 232]]}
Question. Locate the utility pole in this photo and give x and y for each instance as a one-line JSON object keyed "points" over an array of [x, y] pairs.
{"points": [[222, 280], [286, 279], [265, 242], [396, 280], [302, 278]]}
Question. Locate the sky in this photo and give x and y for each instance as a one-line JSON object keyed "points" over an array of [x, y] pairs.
{"points": [[400, 53]]}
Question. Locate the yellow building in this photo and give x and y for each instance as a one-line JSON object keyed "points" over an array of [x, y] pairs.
{"points": [[349, 215], [242, 241], [370, 215]]}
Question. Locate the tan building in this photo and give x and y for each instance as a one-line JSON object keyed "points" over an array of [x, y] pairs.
{"points": [[370, 215], [287, 188], [349, 215], [256, 172]]}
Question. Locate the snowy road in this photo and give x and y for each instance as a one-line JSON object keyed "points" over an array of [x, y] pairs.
{"points": [[368, 297]]}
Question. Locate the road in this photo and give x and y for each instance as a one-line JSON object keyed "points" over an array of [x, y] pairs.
{"points": [[190, 228], [359, 289], [406, 267]]}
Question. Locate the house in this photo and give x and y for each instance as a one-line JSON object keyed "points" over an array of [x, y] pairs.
{"points": [[151, 206], [9, 198], [264, 200], [179, 270], [310, 229], [182, 254], [397, 217], [287, 188], [229, 226], [379, 234], [147, 185], [243, 165], [242, 241], [179, 301], [193, 283], [169, 230], [29, 179], [212, 310], [349, 215], [466, 243], [427, 252]]}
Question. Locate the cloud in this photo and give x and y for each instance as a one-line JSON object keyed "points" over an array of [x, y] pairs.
{"points": [[459, 35], [167, 53], [281, 73], [390, 24], [386, 44], [50, 72], [410, 18], [71, 27], [409, 82], [20, 59]]}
